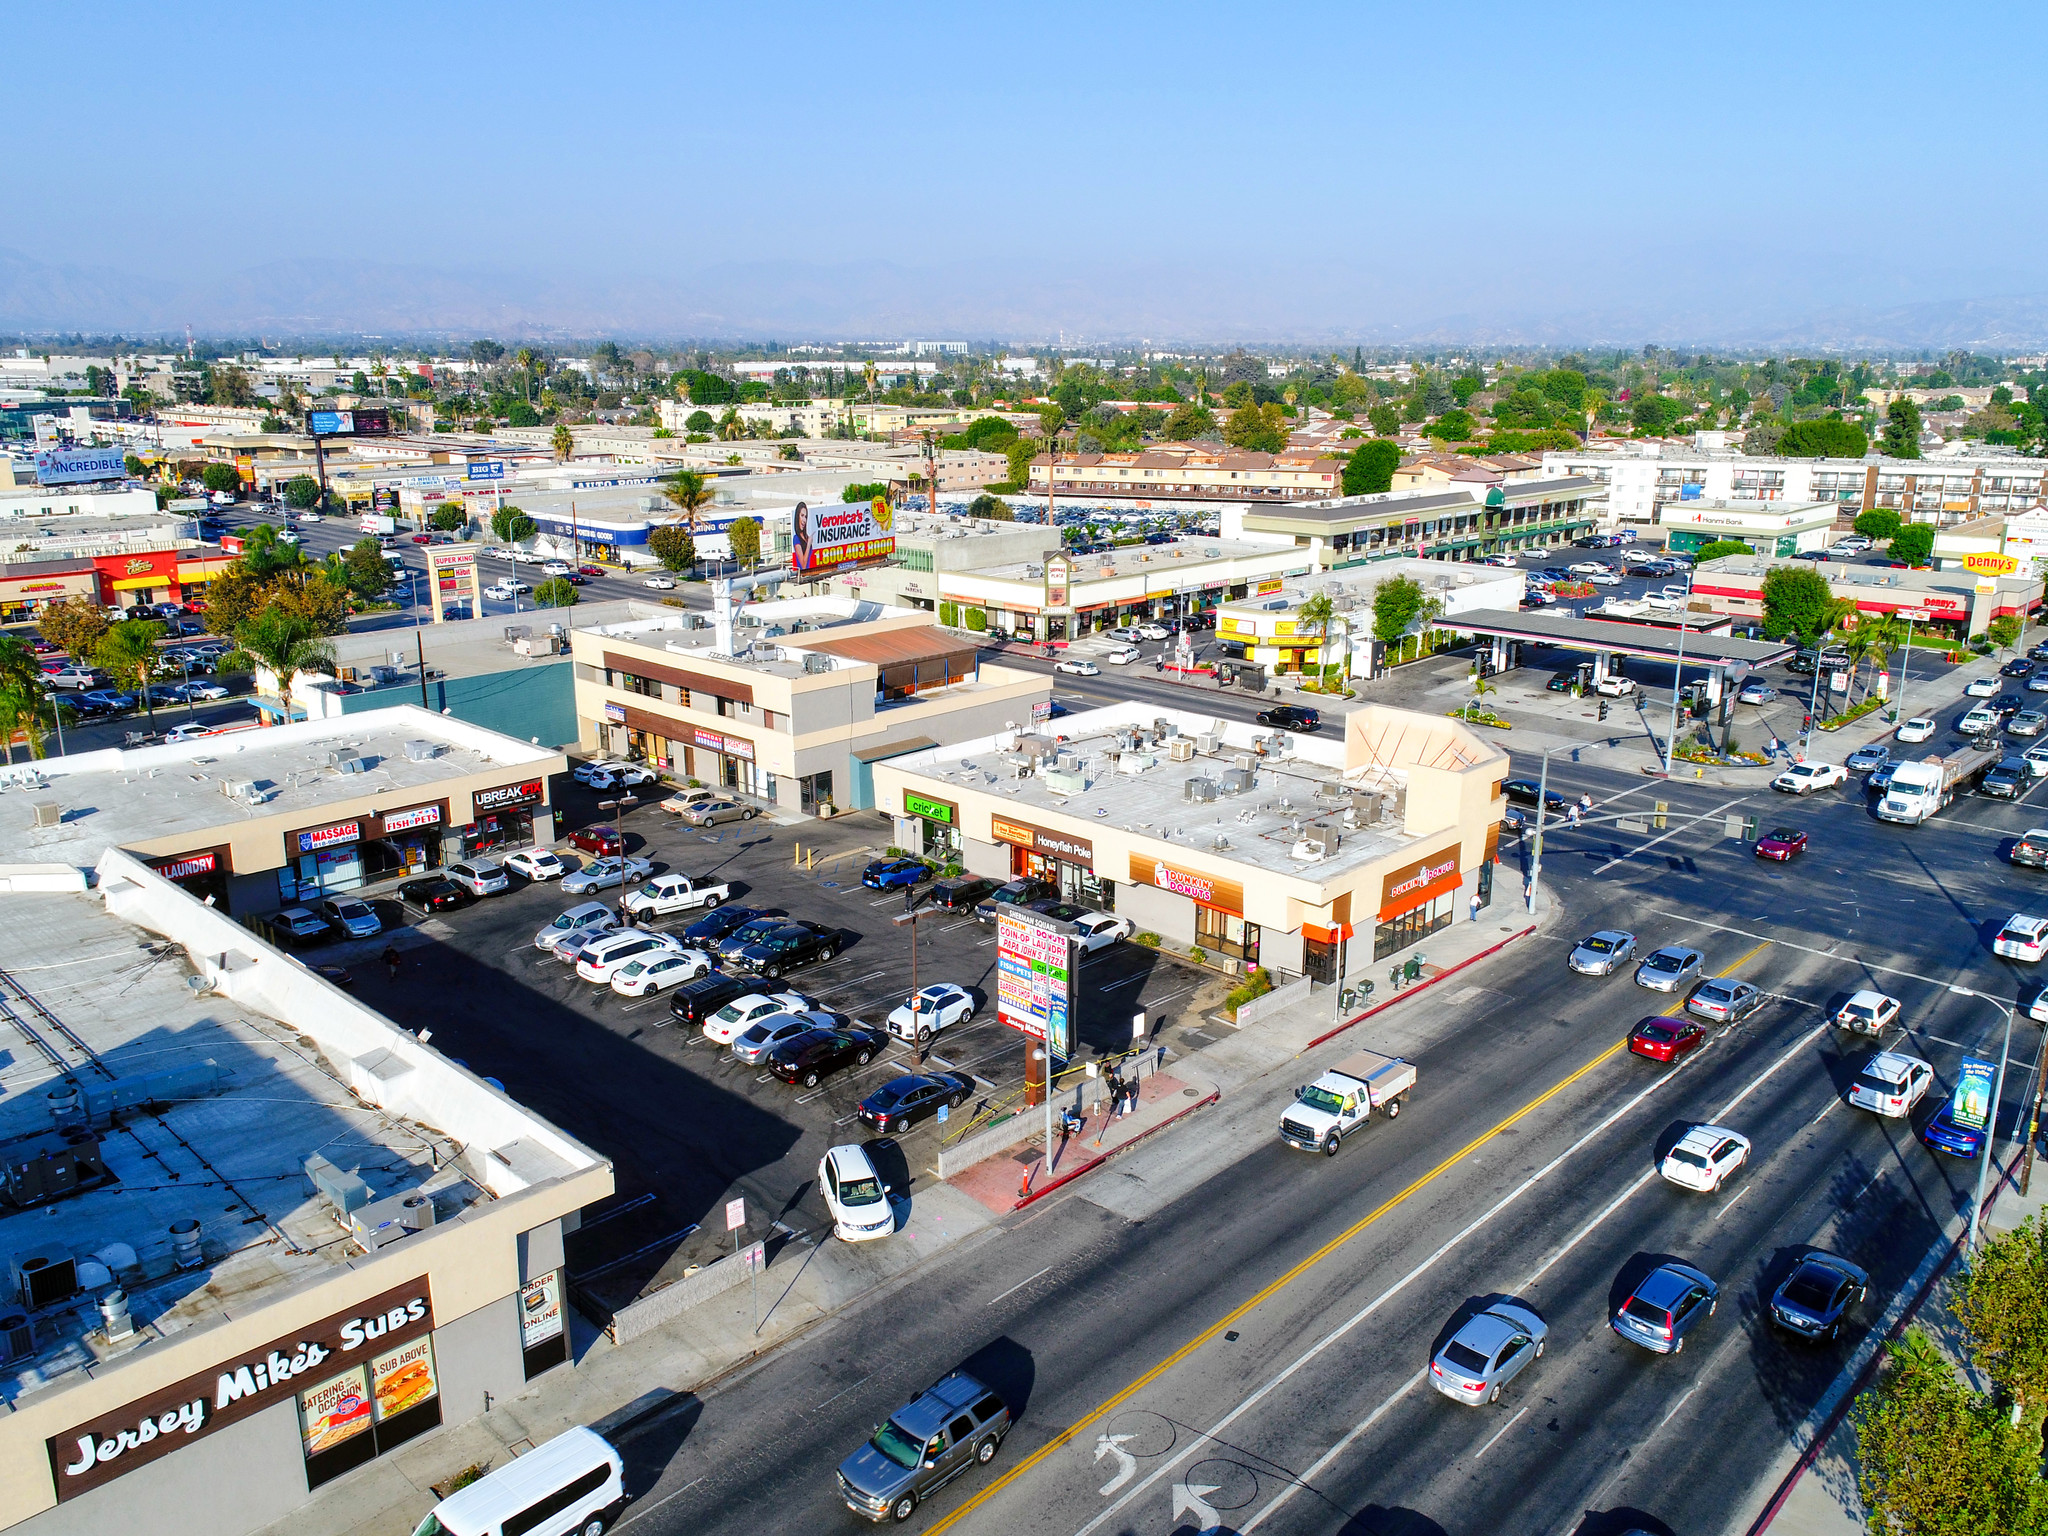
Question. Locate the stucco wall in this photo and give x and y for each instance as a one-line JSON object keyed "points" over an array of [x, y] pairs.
{"points": [[532, 702], [1169, 916]]}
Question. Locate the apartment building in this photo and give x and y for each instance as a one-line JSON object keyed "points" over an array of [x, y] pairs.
{"points": [[793, 702], [1642, 479], [1178, 476]]}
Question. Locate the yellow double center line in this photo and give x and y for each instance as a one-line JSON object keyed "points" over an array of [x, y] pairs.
{"points": [[1110, 1405]]}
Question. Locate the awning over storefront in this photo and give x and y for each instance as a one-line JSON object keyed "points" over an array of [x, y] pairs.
{"points": [[875, 754]]}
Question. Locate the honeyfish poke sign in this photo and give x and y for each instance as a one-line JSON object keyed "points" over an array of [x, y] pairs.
{"points": [[96, 1452]]}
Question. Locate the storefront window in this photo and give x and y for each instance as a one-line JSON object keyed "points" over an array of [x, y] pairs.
{"points": [[814, 789], [496, 832], [323, 872], [1396, 934], [936, 841], [1227, 933]]}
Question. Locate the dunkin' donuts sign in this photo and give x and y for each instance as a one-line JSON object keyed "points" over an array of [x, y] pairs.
{"points": [[100, 1450], [1204, 890]]}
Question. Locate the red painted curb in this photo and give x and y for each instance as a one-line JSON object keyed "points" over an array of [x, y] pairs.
{"points": [[1093, 1163], [1812, 1452], [1420, 986]]}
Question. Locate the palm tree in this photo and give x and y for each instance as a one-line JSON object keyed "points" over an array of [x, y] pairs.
{"points": [[288, 644], [730, 427], [22, 692], [1480, 689], [524, 358], [690, 492], [1314, 616], [1887, 633], [872, 374], [564, 442], [128, 650]]}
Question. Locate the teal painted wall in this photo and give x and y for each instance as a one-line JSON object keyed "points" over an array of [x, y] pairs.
{"points": [[533, 701]]}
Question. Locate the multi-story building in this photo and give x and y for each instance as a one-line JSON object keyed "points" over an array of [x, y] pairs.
{"points": [[1466, 522], [1643, 478], [792, 703], [1180, 477], [1781, 528]]}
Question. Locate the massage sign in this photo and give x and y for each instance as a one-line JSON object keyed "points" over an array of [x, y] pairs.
{"points": [[363, 1381]]}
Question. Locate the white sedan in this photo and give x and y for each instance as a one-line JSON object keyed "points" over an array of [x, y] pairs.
{"points": [[1588, 568], [930, 1009], [602, 874], [504, 591], [1155, 632], [1805, 778], [2022, 938], [1756, 693], [1981, 687], [724, 1026], [1615, 687], [647, 974], [855, 1195], [616, 775], [660, 583], [537, 864], [2036, 759], [586, 773], [204, 692], [1077, 667], [1919, 728], [1099, 930]]}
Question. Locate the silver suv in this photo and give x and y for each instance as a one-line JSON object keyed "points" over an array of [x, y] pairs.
{"points": [[954, 1424]]}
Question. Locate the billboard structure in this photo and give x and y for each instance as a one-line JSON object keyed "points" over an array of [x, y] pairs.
{"points": [[1971, 1103], [76, 466], [828, 539], [365, 421], [453, 581], [1037, 975]]}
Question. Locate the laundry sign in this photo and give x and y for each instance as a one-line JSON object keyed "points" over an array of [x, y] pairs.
{"points": [[98, 1451]]}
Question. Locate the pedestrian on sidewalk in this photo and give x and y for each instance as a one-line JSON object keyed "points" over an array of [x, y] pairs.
{"points": [[392, 961], [1475, 906]]}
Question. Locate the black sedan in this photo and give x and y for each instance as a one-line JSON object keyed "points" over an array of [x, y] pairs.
{"points": [[1291, 717], [1817, 1295], [2007, 704], [2019, 666], [898, 1105], [812, 1057], [433, 894], [1524, 791], [750, 932], [786, 948], [1059, 911], [714, 926]]}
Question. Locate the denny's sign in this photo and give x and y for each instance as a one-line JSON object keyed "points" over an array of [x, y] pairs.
{"points": [[100, 1450]]}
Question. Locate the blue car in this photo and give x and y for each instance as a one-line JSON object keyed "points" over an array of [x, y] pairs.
{"points": [[1817, 1295], [1947, 1134], [886, 873], [716, 925]]}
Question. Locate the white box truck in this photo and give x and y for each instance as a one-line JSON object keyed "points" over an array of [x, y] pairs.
{"points": [[1343, 1100], [1920, 789]]}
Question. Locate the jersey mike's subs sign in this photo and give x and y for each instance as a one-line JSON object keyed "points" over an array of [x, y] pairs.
{"points": [[100, 1450]]}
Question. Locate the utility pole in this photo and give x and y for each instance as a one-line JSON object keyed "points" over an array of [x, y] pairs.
{"points": [[1677, 676]]}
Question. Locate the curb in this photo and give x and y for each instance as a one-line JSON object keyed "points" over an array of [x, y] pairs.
{"points": [[1096, 1162], [1419, 986], [1833, 1422]]}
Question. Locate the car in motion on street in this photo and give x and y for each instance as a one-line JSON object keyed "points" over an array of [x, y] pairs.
{"points": [[1805, 778], [854, 1195], [1291, 717], [1946, 1131], [954, 1424], [2022, 938], [1489, 1351], [1671, 1301], [2030, 850], [1781, 843], [1866, 759], [1598, 954], [1725, 1000], [1890, 1084], [1523, 792], [1668, 1040], [2007, 779], [1919, 728], [1978, 722], [899, 1104], [1866, 1013], [1814, 1300], [1705, 1158], [1077, 666], [1980, 687], [1670, 968]]}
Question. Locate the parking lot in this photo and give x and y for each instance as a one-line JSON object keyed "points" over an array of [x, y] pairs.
{"points": [[688, 1126]]}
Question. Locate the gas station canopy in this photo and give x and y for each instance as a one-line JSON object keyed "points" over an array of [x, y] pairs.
{"points": [[1649, 641]]}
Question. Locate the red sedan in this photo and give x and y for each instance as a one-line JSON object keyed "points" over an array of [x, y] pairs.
{"points": [[423, 538], [589, 570], [1663, 1039], [603, 841], [1781, 843]]}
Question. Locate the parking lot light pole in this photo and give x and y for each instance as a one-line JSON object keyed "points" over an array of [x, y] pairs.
{"points": [[1991, 1121], [1678, 673], [618, 809]]}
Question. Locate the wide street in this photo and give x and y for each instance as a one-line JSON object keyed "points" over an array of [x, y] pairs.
{"points": [[1218, 1324]]}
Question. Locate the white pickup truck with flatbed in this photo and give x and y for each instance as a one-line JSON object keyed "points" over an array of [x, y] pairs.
{"points": [[1344, 1099]]}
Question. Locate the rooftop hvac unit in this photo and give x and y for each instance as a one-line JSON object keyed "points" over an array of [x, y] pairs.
{"points": [[1243, 762], [1201, 791], [346, 1192], [1068, 762], [17, 1337], [1135, 762], [422, 751], [1365, 807], [1162, 727], [1236, 781], [814, 662], [240, 789], [394, 658], [44, 1279], [352, 765], [48, 813], [1180, 750], [1063, 782], [38, 1170], [1207, 743], [383, 1222], [518, 631]]}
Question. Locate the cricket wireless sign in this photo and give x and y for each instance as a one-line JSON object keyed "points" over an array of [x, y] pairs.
{"points": [[94, 1453]]}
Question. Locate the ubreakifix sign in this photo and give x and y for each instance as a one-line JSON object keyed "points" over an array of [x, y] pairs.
{"points": [[100, 1450], [505, 796]]}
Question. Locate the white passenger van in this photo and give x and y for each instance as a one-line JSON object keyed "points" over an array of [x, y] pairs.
{"points": [[570, 1486]]}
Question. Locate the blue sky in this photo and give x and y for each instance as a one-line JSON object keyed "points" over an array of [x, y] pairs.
{"points": [[1317, 167]]}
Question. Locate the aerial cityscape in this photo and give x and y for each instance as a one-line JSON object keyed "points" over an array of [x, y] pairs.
{"points": [[820, 787]]}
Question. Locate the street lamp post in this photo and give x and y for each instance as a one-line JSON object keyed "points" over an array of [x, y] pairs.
{"points": [[618, 809], [1991, 1122], [1536, 852], [1677, 674]]}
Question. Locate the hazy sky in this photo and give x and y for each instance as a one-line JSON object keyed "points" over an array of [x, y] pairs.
{"points": [[1331, 167]]}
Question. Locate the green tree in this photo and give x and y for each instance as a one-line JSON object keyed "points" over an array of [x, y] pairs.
{"points": [[1370, 469], [22, 696], [220, 478], [690, 492], [1940, 1460], [1453, 426], [509, 525], [698, 421], [1878, 524], [74, 626], [672, 545], [1720, 547], [1396, 602], [563, 442], [555, 592], [2003, 631], [520, 413], [1828, 438], [990, 434], [1190, 421], [365, 571], [287, 643], [301, 492], [2003, 1303], [448, 519], [992, 507], [1913, 543], [1901, 438], [128, 650], [745, 538], [1385, 420], [867, 490], [1256, 429], [1021, 453], [1797, 601], [1314, 617]]}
